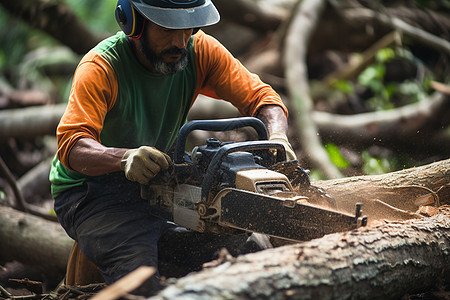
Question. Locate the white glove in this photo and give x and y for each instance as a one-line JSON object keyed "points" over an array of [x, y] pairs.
{"points": [[282, 138], [143, 163]]}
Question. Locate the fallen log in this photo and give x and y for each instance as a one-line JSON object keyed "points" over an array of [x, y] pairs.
{"points": [[383, 262], [44, 244], [30, 122], [406, 124], [33, 241], [393, 196]]}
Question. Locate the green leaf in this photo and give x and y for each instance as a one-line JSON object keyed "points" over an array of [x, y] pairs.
{"points": [[385, 54], [336, 156], [375, 166], [344, 86]]}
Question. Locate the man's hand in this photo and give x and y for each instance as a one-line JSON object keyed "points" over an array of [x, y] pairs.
{"points": [[144, 163], [282, 138]]}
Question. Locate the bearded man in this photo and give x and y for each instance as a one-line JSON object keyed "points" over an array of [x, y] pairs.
{"points": [[130, 96]]}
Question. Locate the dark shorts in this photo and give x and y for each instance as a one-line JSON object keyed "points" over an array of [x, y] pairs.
{"points": [[112, 224]]}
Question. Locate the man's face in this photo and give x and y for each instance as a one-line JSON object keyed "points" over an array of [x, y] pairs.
{"points": [[165, 48]]}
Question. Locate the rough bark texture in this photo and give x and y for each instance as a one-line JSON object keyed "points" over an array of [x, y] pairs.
{"points": [[383, 262], [37, 242]]}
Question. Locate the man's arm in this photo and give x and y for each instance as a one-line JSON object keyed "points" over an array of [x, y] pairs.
{"points": [[274, 117], [91, 158], [141, 164]]}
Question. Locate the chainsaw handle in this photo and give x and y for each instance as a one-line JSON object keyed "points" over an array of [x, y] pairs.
{"points": [[216, 162], [216, 125]]}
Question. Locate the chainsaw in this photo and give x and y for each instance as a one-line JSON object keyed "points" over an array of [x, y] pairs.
{"points": [[230, 187]]}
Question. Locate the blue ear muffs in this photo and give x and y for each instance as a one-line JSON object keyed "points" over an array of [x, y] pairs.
{"points": [[129, 20]]}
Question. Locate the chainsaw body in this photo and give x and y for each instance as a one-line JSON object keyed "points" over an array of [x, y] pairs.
{"points": [[232, 187]]}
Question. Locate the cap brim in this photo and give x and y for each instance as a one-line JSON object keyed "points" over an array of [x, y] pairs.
{"points": [[174, 18]]}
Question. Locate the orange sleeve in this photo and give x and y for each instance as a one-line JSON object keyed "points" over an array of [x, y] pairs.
{"points": [[93, 94], [220, 75]]}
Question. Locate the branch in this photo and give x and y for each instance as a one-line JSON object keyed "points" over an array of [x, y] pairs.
{"points": [[249, 14], [30, 122], [396, 126], [297, 39], [20, 202], [55, 18], [416, 33]]}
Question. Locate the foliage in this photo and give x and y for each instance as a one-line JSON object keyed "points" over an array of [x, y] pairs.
{"points": [[25, 53], [374, 166], [383, 92], [99, 15], [17, 39], [336, 156]]}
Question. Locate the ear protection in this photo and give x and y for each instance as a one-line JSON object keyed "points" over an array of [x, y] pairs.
{"points": [[129, 20]]}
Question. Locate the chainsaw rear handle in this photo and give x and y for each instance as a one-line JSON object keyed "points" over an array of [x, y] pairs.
{"points": [[216, 125]]}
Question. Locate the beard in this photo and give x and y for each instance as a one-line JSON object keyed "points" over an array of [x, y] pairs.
{"points": [[158, 63]]}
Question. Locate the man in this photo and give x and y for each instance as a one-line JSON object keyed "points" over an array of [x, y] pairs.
{"points": [[130, 96]]}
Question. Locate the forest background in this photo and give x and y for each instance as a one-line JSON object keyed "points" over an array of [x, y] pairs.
{"points": [[366, 82]]}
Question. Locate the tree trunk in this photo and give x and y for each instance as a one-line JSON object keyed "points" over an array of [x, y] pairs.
{"points": [[44, 244], [393, 196], [33, 241], [297, 40], [384, 262]]}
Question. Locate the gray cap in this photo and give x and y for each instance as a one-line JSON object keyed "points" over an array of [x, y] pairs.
{"points": [[178, 14]]}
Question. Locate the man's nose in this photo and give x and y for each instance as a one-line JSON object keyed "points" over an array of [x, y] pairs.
{"points": [[180, 39]]}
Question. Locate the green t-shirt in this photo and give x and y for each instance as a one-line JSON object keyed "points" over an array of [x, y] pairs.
{"points": [[149, 109]]}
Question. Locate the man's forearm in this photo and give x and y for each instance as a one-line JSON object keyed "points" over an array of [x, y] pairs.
{"points": [[91, 158], [274, 118]]}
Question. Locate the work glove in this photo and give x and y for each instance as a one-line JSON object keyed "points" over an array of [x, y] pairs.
{"points": [[282, 139], [142, 164]]}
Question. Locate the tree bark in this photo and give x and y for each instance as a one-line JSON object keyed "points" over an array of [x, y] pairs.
{"points": [[44, 244], [393, 196], [33, 241], [383, 262]]}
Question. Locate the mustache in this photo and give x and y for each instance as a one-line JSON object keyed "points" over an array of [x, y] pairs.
{"points": [[174, 50]]}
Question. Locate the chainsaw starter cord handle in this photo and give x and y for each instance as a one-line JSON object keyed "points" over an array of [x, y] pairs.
{"points": [[216, 125]]}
